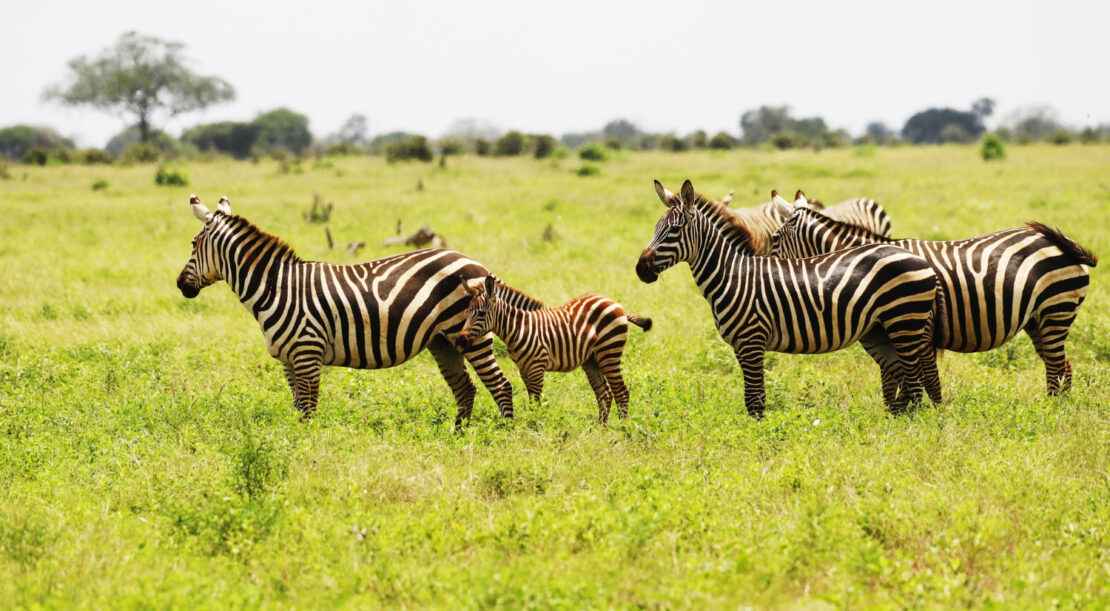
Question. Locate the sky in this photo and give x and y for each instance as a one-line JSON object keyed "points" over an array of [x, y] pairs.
{"points": [[572, 66]]}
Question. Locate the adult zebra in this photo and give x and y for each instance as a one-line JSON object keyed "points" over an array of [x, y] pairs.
{"points": [[879, 295], [766, 218], [367, 316], [992, 286]]}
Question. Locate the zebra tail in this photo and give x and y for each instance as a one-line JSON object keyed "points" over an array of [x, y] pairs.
{"points": [[1064, 243], [940, 319], [642, 322]]}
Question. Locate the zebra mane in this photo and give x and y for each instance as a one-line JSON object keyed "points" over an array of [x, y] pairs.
{"points": [[838, 224], [282, 249], [732, 227], [517, 298]]}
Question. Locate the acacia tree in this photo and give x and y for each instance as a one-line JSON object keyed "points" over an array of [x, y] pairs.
{"points": [[142, 77]]}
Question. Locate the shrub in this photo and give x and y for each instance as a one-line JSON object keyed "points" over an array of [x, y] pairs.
{"points": [[4, 174], [92, 156], [166, 144], [698, 139], [451, 146], [1061, 136], [544, 146], [166, 177], [669, 142], [141, 153], [412, 147], [509, 145], [17, 140], [992, 148], [282, 129], [481, 147], [785, 140], [229, 137], [722, 141], [588, 170], [320, 212], [592, 152], [36, 156], [100, 185]]}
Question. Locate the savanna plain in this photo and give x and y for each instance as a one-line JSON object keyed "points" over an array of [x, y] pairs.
{"points": [[150, 455]]}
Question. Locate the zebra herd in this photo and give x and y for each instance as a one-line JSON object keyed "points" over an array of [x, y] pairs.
{"points": [[796, 278]]}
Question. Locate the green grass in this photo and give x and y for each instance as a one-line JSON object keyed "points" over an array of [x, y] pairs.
{"points": [[150, 455]]}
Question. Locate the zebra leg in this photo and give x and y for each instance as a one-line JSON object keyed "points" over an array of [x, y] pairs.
{"points": [[912, 348], [751, 363], [306, 368], [610, 365], [880, 349], [480, 356], [533, 380], [930, 375], [291, 378], [1049, 334], [600, 387], [453, 370]]}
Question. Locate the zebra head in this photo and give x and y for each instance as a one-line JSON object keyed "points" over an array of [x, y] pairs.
{"points": [[202, 268], [477, 323], [801, 234], [670, 243]]}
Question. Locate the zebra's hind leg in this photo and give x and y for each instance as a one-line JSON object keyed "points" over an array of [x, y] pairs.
{"points": [[453, 370], [291, 378], [750, 358], [480, 356], [1049, 333], [600, 387], [533, 380], [879, 348]]}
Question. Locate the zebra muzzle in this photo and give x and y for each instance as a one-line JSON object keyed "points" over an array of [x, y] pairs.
{"points": [[645, 267], [187, 289]]}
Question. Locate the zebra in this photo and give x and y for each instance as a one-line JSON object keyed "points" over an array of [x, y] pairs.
{"points": [[367, 316], [879, 295], [1031, 278], [766, 218], [588, 331]]}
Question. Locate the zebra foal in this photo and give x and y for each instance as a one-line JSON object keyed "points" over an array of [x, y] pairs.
{"points": [[366, 316], [588, 331], [1031, 278], [879, 295]]}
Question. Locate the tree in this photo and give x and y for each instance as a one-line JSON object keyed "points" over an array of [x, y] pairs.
{"points": [[1033, 123], [282, 128], [473, 129], [878, 133], [621, 130], [928, 126], [141, 77], [722, 141], [231, 137], [983, 107], [511, 144], [355, 131], [158, 141], [760, 124]]}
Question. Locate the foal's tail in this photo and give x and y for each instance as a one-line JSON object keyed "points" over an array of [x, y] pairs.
{"points": [[642, 322]]}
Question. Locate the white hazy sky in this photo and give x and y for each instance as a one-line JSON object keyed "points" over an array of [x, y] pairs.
{"points": [[572, 65]]}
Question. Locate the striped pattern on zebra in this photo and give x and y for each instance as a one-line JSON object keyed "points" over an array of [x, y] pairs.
{"points": [[1031, 278], [879, 295], [766, 218], [588, 331], [367, 316]]}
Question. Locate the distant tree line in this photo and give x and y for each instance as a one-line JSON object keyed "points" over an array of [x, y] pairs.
{"points": [[148, 80]]}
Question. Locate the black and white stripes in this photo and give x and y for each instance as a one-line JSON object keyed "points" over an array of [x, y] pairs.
{"points": [[881, 296], [368, 316]]}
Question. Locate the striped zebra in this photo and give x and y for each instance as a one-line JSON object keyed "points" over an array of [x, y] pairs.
{"points": [[766, 218], [367, 316], [878, 295], [588, 331], [1032, 278]]}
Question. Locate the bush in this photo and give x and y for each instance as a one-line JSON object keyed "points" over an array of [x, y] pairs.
{"points": [[141, 153], [413, 147], [166, 177], [451, 146], [101, 185], [722, 141], [1061, 136], [669, 142], [588, 170], [92, 156], [229, 137], [592, 152], [698, 139], [17, 140], [509, 145], [481, 147], [4, 173], [785, 140], [36, 156], [992, 148], [165, 144], [544, 146], [282, 129]]}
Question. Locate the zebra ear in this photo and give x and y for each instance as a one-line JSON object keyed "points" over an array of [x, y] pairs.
{"points": [[781, 205], [199, 210], [472, 286], [689, 195], [490, 284], [727, 199], [665, 196], [224, 205], [800, 200]]}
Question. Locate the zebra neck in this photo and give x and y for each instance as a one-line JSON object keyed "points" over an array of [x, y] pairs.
{"points": [[718, 268], [259, 278], [509, 323]]}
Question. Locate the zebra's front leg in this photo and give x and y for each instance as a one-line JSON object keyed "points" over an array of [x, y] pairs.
{"points": [[751, 363], [480, 356], [453, 370], [306, 382], [600, 388], [533, 379]]}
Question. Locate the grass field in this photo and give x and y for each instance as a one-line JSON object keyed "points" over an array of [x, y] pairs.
{"points": [[150, 456]]}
